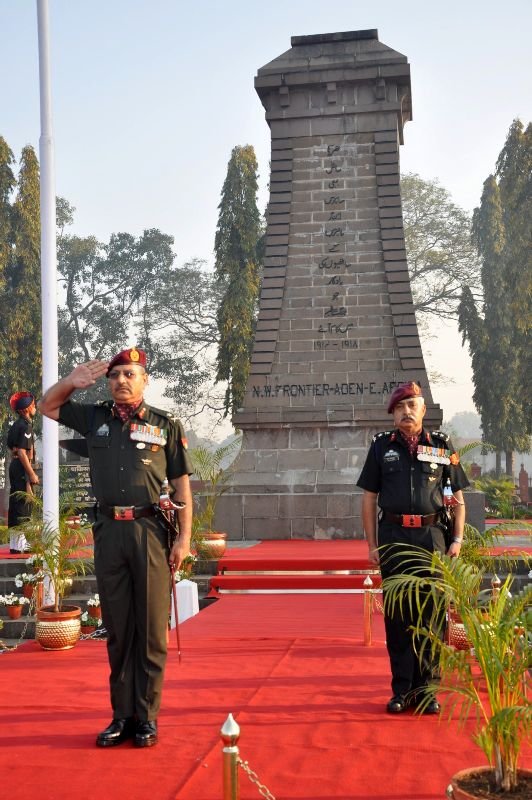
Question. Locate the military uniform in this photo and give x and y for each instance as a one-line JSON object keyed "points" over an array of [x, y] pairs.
{"points": [[19, 437], [410, 496], [128, 463]]}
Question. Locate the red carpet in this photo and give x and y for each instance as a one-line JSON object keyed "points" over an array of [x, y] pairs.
{"points": [[309, 698]]}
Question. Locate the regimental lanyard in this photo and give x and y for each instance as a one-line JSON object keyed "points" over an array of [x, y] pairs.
{"points": [[436, 455], [150, 434]]}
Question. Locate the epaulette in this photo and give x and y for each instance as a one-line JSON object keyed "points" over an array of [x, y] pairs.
{"points": [[161, 413], [381, 434], [440, 435]]}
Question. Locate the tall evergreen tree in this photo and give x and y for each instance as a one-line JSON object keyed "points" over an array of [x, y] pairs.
{"points": [[499, 335], [7, 184], [20, 288], [237, 270]]}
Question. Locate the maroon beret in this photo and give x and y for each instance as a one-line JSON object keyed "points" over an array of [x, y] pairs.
{"points": [[402, 392], [130, 356], [21, 400]]}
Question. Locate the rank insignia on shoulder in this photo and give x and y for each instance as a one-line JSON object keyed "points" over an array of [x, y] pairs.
{"points": [[381, 434], [440, 435]]}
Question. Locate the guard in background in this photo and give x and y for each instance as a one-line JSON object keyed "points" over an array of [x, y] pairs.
{"points": [[132, 448], [405, 472], [22, 476]]}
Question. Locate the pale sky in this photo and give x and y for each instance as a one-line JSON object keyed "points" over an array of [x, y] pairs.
{"points": [[150, 97]]}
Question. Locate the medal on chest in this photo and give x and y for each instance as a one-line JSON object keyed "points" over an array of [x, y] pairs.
{"points": [[147, 434], [435, 455]]}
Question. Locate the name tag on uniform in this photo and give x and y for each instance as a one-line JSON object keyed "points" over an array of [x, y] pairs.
{"points": [[150, 434], [436, 455]]}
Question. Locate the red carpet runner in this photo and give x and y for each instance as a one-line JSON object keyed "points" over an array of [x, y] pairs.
{"points": [[309, 698]]}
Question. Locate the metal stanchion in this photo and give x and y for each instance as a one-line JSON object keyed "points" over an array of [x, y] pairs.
{"points": [[230, 734], [368, 610]]}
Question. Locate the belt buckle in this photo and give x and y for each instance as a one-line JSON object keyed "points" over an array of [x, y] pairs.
{"points": [[412, 521], [124, 512]]}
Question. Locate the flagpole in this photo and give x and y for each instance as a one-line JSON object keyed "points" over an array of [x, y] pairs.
{"points": [[50, 453]]}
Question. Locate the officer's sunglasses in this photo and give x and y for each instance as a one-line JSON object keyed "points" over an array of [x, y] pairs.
{"points": [[127, 373]]}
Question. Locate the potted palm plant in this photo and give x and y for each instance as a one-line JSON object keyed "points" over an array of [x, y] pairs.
{"points": [[64, 554], [491, 680], [208, 468]]}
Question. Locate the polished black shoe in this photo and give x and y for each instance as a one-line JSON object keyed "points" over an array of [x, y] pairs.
{"points": [[117, 732], [397, 704], [432, 707], [146, 734]]}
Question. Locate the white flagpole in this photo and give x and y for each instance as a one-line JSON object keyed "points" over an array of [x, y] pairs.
{"points": [[48, 274]]}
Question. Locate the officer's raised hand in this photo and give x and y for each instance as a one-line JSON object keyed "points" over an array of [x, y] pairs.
{"points": [[85, 375], [81, 377]]}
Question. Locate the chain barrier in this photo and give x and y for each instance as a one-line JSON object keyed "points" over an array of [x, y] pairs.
{"points": [[254, 778]]}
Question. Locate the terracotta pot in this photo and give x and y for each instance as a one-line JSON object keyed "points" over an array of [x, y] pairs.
{"points": [[14, 612], [27, 590], [456, 792], [86, 629], [212, 544], [96, 612], [58, 630]]}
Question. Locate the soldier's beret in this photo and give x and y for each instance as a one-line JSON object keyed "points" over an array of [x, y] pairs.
{"points": [[130, 356], [403, 392], [21, 400]]}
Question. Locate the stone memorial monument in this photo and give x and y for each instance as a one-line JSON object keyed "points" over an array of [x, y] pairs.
{"points": [[336, 330]]}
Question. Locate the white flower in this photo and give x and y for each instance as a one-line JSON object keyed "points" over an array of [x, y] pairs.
{"points": [[85, 617], [13, 600], [94, 601], [18, 583]]}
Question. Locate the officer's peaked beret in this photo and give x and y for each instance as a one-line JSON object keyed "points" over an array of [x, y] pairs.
{"points": [[403, 392], [21, 400], [130, 356]]}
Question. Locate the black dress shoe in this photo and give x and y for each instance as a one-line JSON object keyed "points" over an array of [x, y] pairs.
{"points": [[432, 707], [117, 732], [397, 704], [146, 734]]}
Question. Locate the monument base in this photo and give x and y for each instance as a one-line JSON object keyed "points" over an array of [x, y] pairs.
{"points": [[297, 480]]}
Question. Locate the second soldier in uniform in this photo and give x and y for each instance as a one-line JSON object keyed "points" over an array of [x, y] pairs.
{"points": [[404, 473]]}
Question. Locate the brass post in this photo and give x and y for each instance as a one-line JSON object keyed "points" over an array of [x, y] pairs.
{"points": [[368, 610], [230, 734]]}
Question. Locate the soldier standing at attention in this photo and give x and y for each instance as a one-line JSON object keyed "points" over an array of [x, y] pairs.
{"points": [[132, 448], [21, 442], [405, 471]]}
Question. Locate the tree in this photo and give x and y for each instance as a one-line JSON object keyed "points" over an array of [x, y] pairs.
{"points": [[179, 328], [441, 257], [132, 288], [237, 270], [20, 282], [498, 336]]}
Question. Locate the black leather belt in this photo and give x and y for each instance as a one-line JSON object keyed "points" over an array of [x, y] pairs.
{"points": [[125, 513], [410, 520]]}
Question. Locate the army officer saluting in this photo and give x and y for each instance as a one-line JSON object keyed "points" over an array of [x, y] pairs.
{"points": [[132, 448]]}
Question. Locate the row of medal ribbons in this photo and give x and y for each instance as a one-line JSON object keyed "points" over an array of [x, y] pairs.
{"points": [[147, 433], [437, 455]]}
